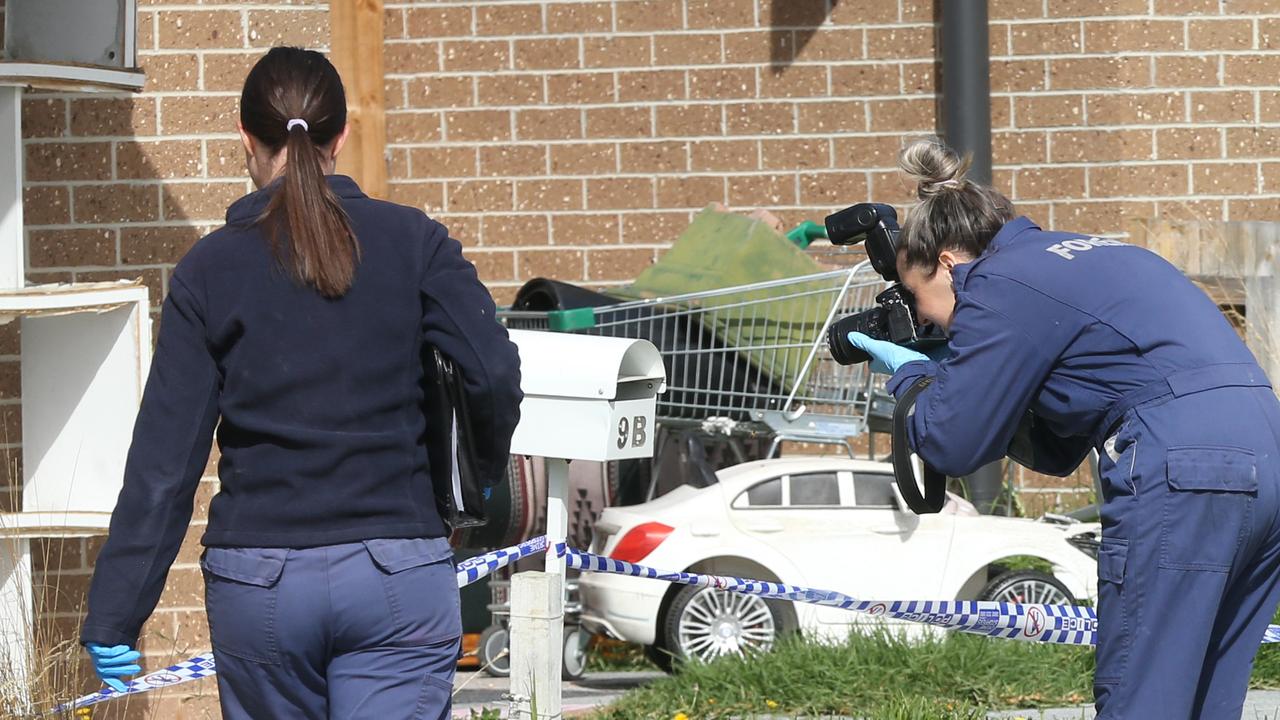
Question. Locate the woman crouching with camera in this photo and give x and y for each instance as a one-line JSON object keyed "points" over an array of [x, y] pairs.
{"points": [[1059, 343]]}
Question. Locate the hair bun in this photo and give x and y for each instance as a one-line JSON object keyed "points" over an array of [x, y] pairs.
{"points": [[934, 166]]}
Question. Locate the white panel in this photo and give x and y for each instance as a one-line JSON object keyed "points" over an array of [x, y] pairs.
{"points": [[12, 248], [17, 618], [81, 384]]}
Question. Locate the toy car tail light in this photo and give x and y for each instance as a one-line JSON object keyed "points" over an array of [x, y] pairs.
{"points": [[640, 541]]}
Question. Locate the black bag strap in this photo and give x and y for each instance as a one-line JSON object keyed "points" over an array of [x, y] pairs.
{"points": [[935, 483]]}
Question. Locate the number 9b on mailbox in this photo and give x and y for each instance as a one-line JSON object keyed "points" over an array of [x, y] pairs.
{"points": [[586, 397]]}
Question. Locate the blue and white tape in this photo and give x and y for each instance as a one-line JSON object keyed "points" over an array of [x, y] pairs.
{"points": [[196, 668], [1061, 624], [472, 569]]}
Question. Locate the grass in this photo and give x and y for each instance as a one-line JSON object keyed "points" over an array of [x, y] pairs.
{"points": [[955, 677]]}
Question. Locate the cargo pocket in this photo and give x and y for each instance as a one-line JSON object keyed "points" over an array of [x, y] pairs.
{"points": [[240, 588], [1208, 507], [436, 699], [421, 588], [1113, 613]]}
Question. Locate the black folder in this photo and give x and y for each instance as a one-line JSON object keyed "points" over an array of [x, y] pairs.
{"points": [[458, 490]]}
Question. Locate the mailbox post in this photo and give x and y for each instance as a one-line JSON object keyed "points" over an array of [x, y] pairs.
{"points": [[585, 398]]}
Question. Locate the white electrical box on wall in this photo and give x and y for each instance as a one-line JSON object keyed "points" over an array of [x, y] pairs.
{"points": [[83, 45]]}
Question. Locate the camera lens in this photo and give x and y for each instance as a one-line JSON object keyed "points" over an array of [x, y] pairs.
{"points": [[843, 351]]}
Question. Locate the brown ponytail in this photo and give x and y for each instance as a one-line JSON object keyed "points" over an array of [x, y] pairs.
{"points": [[307, 227]]}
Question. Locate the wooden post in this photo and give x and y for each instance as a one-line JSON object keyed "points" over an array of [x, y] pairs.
{"points": [[537, 641], [1238, 264], [355, 28]]}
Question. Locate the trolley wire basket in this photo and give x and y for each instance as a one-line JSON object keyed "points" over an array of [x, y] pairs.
{"points": [[749, 358]]}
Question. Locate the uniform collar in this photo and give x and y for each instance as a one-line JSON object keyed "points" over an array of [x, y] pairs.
{"points": [[1007, 235], [251, 206]]}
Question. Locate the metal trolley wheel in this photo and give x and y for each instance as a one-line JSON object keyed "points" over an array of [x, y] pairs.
{"points": [[492, 651], [1027, 586], [708, 623], [574, 664], [496, 660]]}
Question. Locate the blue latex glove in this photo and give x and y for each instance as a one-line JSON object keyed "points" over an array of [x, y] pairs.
{"points": [[113, 663], [885, 356], [488, 493]]}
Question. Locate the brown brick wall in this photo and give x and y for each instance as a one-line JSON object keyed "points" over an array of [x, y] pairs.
{"points": [[612, 117]]}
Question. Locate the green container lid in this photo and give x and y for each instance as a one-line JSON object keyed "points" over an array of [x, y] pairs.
{"points": [[570, 320]]}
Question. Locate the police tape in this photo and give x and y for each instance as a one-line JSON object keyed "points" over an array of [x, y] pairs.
{"points": [[201, 666], [1059, 624]]}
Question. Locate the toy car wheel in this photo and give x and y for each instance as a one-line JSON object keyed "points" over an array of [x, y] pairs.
{"points": [[492, 651], [708, 623], [1027, 586], [659, 656], [574, 663]]}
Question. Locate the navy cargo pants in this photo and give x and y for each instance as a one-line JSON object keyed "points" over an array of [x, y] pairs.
{"points": [[360, 630], [1190, 554]]}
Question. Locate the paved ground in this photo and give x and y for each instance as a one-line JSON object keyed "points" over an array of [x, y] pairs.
{"points": [[1259, 705], [476, 691], [479, 691]]}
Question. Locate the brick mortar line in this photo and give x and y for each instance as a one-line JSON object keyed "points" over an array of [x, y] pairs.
{"points": [[816, 99], [134, 182], [649, 139], [100, 268], [755, 172], [149, 224], [854, 63], [1151, 15], [755, 102], [796, 62], [626, 35], [158, 94], [231, 7], [139, 139]]}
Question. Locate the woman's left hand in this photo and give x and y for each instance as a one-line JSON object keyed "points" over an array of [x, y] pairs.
{"points": [[885, 356], [112, 664]]}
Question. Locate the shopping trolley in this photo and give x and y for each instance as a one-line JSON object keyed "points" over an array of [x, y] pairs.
{"points": [[749, 358]]}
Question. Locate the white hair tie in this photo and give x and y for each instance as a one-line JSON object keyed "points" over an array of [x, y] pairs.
{"points": [[296, 121], [945, 183]]}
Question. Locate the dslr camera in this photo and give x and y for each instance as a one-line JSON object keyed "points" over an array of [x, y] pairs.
{"points": [[894, 319]]}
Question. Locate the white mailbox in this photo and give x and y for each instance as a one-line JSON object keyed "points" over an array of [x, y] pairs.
{"points": [[586, 397]]}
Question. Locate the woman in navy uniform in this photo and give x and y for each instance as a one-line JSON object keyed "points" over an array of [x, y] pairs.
{"points": [[298, 330], [1061, 342]]}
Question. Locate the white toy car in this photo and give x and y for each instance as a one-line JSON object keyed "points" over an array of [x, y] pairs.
{"points": [[830, 523]]}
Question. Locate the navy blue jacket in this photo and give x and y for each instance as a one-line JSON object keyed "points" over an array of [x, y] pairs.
{"points": [[1063, 325], [320, 401]]}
